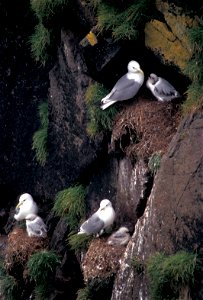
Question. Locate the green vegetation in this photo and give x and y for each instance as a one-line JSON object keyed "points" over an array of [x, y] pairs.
{"points": [[79, 242], [124, 23], [99, 120], [41, 292], [170, 274], [84, 294], [194, 70], [48, 13], [45, 10], [39, 141], [9, 287], [40, 42], [41, 268], [137, 265], [42, 265], [155, 162], [70, 203]]}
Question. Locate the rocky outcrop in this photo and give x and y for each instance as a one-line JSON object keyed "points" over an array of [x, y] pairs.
{"points": [[172, 220], [167, 37]]}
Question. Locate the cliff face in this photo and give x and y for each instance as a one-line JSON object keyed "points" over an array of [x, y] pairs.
{"points": [[164, 213], [172, 220]]}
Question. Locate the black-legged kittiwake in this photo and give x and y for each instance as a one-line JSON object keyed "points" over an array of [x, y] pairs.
{"points": [[161, 88], [101, 219], [126, 87], [26, 205], [119, 238], [35, 226]]}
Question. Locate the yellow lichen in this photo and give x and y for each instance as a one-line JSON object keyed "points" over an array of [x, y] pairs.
{"points": [[170, 39], [162, 41]]}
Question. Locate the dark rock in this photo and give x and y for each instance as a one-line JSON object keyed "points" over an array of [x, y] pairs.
{"points": [[172, 220]]}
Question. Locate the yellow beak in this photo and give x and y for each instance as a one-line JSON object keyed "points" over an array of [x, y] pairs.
{"points": [[19, 204]]}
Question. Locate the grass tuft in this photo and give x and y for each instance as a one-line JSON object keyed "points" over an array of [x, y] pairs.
{"points": [[123, 23], [155, 162], [42, 265], [169, 274], [194, 70], [137, 265], [79, 242], [45, 10], [39, 140], [40, 42], [84, 294], [9, 287], [99, 120], [41, 291], [70, 203]]}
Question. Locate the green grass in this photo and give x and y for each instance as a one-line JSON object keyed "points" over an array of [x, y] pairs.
{"points": [[42, 265], [43, 114], [99, 120], [41, 291], [155, 162], [169, 274], [123, 23], [9, 287], [40, 42], [137, 265], [39, 140], [43, 40], [79, 242], [84, 294], [45, 10], [70, 203], [194, 70]]}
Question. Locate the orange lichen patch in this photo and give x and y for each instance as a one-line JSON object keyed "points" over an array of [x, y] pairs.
{"points": [[170, 39], [101, 260], [145, 127], [20, 246], [165, 43]]}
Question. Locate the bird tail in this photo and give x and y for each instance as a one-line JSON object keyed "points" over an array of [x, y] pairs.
{"points": [[107, 104]]}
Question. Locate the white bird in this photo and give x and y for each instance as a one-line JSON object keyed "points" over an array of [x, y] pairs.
{"points": [[119, 238], [25, 206], [126, 87], [35, 226], [161, 88], [101, 219]]}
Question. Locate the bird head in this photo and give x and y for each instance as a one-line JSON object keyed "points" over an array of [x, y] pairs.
{"points": [[134, 67], [104, 203], [23, 198], [153, 78]]}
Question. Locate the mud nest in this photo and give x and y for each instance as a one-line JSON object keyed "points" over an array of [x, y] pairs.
{"points": [[20, 247], [145, 127], [101, 260]]}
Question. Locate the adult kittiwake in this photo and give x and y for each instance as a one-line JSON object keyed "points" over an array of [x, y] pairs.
{"points": [[126, 87], [101, 219], [119, 238], [26, 205], [35, 226], [161, 88]]}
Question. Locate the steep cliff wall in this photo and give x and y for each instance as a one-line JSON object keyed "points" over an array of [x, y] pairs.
{"points": [[172, 219]]}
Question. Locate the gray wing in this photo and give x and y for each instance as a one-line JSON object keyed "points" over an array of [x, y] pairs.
{"points": [[124, 89], [38, 227], [164, 88], [93, 225]]}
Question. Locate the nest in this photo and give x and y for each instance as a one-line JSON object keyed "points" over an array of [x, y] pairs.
{"points": [[20, 247], [145, 127], [101, 260]]}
